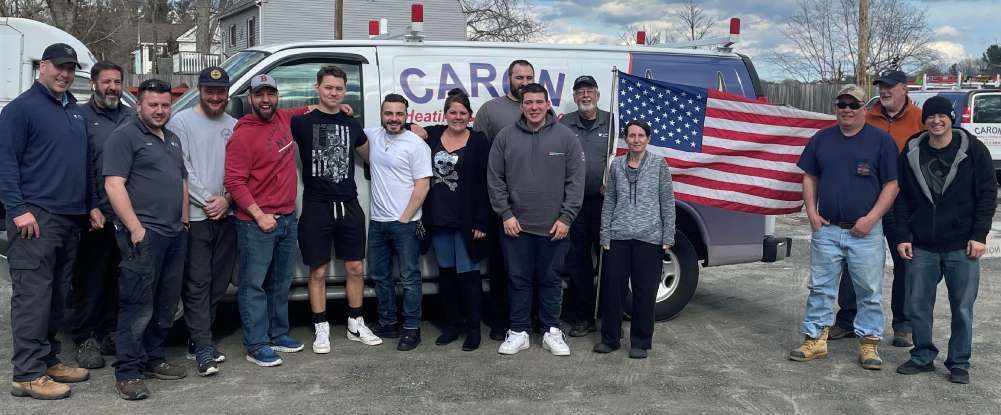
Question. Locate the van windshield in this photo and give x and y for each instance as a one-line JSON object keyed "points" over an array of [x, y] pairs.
{"points": [[235, 67]]}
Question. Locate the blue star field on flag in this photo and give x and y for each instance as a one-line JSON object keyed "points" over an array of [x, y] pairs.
{"points": [[676, 113]]}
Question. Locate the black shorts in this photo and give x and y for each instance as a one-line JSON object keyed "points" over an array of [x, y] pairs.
{"points": [[326, 225]]}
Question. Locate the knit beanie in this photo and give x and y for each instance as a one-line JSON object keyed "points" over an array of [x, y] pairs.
{"points": [[938, 105]]}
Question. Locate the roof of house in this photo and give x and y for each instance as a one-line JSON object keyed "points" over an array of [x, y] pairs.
{"points": [[240, 6]]}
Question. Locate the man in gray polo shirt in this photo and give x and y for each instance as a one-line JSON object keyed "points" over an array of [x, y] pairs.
{"points": [[146, 183]]}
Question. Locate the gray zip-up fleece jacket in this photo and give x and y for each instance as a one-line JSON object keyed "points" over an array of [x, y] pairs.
{"points": [[536, 176], [639, 204]]}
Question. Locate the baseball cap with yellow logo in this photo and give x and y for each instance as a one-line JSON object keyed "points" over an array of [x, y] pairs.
{"points": [[213, 76]]}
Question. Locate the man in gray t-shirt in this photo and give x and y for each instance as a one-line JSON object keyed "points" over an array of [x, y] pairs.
{"points": [[492, 117], [204, 131], [146, 184]]}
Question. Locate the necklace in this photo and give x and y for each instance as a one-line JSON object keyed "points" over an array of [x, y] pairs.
{"points": [[388, 143]]}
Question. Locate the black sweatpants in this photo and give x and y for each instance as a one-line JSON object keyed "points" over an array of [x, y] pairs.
{"points": [[209, 268], [40, 273], [94, 297], [640, 263], [580, 261]]}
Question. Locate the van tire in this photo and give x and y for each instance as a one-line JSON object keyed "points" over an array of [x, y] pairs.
{"points": [[679, 278]]}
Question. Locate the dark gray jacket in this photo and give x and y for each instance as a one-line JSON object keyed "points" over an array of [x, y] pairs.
{"points": [[536, 176], [100, 124], [642, 209], [596, 148]]}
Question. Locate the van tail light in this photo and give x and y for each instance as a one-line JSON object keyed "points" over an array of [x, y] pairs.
{"points": [[967, 115]]}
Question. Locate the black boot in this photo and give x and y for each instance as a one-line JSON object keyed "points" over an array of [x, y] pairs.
{"points": [[448, 297], [472, 295]]}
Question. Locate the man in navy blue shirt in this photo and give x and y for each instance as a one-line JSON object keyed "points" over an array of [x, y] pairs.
{"points": [[849, 182], [44, 187]]}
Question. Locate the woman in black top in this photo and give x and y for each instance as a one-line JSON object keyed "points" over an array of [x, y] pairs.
{"points": [[457, 213]]}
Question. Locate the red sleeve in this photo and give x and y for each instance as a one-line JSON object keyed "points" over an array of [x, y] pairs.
{"points": [[239, 161], [295, 112]]}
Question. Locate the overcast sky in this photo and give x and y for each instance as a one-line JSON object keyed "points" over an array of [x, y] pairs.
{"points": [[961, 27]]}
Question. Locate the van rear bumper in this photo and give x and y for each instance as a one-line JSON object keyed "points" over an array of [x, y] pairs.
{"points": [[775, 248]]}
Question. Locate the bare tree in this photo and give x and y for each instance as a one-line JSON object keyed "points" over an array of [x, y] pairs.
{"points": [[628, 36], [695, 22], [824, 39], [500, 20]]}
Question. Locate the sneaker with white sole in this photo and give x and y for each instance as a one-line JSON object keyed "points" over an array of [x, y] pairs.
{"points": [[286, 344], [265, 357], [359, 332], [514, 342], [321, 345], [556, 342]]}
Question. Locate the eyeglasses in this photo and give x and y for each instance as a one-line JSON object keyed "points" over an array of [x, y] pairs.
{"points": [[853, 105], [154, 85], [587, 91]]}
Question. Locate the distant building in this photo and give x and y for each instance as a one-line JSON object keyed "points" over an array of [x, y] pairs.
{"points": [[171, 48], [251, 23]]}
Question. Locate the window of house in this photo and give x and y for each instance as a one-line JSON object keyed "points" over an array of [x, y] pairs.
{"points": [[251, 32], [232, 35]]}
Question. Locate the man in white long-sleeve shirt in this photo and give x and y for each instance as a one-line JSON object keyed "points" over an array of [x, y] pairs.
{"points": [[204, 131]]}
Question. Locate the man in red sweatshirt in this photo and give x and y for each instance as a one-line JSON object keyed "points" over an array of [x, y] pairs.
{"points": [[261, 177]]}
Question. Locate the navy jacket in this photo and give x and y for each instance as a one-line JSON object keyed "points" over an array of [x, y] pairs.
{"points": [[44, 154]]}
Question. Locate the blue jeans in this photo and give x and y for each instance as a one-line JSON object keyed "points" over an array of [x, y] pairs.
{"points": [[266, 268], [450, 250], [831, 248], [962, 279], [385, 239], [534, 261]]}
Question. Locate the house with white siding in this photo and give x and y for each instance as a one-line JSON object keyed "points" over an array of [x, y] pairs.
{"points": [[250, 23]]}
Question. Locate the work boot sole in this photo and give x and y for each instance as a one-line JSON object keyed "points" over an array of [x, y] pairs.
{"points": [[873, 366], [22, 393], [807, 359]]}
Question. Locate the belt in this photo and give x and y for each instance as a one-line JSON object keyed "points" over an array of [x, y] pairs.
{"points": [[844, 225]]}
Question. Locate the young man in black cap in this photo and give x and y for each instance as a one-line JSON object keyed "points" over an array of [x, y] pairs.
{"points": [[591, 125], [147, 185], [204, 131], [948, 195], [95, 283], [44, 185]]}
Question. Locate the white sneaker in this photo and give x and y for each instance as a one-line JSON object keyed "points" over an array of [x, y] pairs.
{"points": [[359, 332], [556, 342], [322, 343], [515, 342]]}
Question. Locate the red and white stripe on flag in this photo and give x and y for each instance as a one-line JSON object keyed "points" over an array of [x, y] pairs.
{"points": [[748, 158]]}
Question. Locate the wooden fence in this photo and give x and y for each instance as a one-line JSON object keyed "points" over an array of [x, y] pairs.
{"points": [[810, 97]]}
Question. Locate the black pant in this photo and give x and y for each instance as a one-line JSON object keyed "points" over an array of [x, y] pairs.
{"points": [[209, 268], [580, 261], [498, 301], [40, 273], [640, 263], [94, 297], [846, 295], [460, 294], [148, 291], [534, 263]]}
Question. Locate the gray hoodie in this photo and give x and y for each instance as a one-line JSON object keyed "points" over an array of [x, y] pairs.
{"points": [[536, 176], [639, 203]]}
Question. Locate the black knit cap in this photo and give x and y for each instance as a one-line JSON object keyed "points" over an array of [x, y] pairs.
{"points": [[938, 105]]}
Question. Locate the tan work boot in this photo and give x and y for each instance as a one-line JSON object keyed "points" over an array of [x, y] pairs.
{"points": [[812, 348], [42, 387], [867, 354], [65, 374]]}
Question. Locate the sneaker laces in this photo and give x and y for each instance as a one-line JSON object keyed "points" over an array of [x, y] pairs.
{"points": [[322, 329], [205, 356]]}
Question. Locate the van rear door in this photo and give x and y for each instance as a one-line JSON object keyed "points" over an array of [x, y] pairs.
{"points": [[985, 121]]}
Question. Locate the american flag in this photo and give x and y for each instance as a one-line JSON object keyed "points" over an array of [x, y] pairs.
{"points": [[724, 150]]}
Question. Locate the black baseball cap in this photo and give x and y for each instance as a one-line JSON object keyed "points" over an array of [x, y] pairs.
{"points": [[213, 76], [584, 80], [60, 53], [891, 78]]}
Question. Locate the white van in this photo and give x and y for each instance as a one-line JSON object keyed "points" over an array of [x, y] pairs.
{"points": [[22, 42], [978, 111], [424, 72]]}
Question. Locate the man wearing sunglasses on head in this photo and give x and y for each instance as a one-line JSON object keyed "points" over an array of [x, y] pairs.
{"points": [[147, 186], [849, 182]]}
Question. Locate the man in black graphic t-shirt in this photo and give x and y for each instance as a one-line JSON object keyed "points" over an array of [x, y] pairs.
{"points": [[331, 216]]}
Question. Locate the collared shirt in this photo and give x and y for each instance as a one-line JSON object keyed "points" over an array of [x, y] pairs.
{"points": [[154, 174], [100, 123], [43, 154]]}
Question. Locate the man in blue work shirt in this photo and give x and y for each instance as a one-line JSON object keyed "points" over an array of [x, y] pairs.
{"points": [[44, 187]]}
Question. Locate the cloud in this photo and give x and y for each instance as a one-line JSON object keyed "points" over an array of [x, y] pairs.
{"points": [[948, 31], [950, 51]]}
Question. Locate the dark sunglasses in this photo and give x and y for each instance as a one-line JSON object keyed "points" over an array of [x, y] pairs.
{"points": [[853, 105], [154, 85]]}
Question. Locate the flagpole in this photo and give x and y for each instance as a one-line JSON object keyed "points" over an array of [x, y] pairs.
{"points": [[612, 132]]}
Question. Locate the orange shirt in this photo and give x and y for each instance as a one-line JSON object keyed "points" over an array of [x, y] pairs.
{"points": [[901, 127]]}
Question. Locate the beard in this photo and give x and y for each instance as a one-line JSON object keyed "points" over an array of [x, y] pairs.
{"points": [[516, 92], [207, 109], [266, 116], [587, 107], [397, 127], [108, 101]]}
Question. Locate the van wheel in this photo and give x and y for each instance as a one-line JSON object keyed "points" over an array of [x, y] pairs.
{"points": [[678, 278]]}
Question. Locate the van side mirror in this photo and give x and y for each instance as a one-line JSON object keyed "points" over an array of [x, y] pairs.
{"points": [[239, 105]]}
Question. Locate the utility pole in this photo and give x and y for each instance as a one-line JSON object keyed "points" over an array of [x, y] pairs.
{"points": [[862, 64], [203, 35], [339, 19]]}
